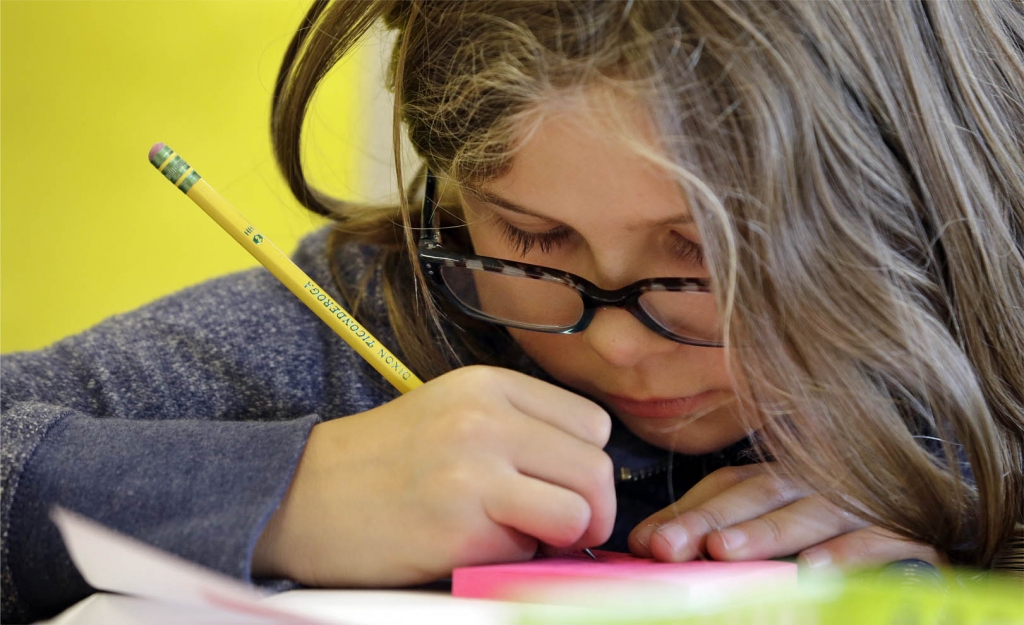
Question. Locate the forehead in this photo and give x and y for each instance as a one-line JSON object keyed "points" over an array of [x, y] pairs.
{"points": [[606, 160]]}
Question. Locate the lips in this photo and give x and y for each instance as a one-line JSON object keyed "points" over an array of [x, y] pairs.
{"points": [[661, 408]]}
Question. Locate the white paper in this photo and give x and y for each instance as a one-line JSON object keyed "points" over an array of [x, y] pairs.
{"points": [[158, 588], [116, 563]]}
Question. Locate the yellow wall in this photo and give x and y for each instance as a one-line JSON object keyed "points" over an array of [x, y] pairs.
{"points": [[88, 227]]}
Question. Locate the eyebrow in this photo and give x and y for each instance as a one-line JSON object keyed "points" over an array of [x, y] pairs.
{"points": [[508, 205]]}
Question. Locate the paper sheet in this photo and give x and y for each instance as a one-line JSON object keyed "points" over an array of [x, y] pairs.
{"points": [[158, 588], [116, 563]]}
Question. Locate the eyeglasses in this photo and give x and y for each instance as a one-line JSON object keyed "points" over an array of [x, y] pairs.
{"points": [[541, 299]]}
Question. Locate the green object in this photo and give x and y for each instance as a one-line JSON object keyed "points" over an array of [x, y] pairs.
{"points": [[959, 600]]}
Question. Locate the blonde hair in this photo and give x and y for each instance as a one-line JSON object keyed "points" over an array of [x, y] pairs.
{"points": [[856, 173]]}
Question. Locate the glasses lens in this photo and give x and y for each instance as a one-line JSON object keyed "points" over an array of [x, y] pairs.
{"points": [[529, 303], [687, 314]]}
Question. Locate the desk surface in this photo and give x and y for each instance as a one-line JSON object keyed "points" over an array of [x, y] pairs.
{"points": [[356, 607]]}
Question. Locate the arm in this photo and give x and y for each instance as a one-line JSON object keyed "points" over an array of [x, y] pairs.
{"points": [[479, 465], [179, 424]]}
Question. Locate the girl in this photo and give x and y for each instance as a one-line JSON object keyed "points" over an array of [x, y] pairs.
{"points": [[736, 280]]}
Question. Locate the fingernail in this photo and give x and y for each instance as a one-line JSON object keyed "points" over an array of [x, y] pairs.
{"points": [[643, 535], [816, 558], [675, 536], [733, 538]]}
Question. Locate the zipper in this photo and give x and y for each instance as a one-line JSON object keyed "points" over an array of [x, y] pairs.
{"points": [[635, 475]]}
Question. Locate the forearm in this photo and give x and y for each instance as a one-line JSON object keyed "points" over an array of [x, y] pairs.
{"points": [[202, 490]]}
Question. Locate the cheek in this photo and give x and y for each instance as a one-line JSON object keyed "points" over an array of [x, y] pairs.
{"points": [[536, 302], [551, 351], [564, 357]]}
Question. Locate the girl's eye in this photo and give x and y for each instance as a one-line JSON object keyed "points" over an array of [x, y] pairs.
{"points": [[523, 241], [687, 250]]}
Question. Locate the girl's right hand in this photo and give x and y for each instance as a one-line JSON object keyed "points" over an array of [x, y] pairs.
{"points": [[479, 465]]}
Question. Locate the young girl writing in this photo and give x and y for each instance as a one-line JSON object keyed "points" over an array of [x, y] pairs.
{"points": [[726, 280]]}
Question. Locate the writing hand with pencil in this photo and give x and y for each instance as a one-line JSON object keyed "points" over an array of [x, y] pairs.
{"points": [[481, 465]]}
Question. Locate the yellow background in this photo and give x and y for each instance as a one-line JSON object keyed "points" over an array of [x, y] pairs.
{"points": [[89, 228]]}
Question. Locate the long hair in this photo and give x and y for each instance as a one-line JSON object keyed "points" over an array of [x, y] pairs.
{"points": [[856, 173]]}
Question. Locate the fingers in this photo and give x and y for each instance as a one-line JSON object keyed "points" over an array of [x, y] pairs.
{"points": [[782, 532], [541, 451], [866, 547], [545, 435], [565, 410], [719, 482], [553, 515], [590, 478], [712, 485], [681, 536], [750, 513]]}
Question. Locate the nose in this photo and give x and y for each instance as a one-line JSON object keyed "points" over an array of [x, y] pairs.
{"points": [[621, 339]]}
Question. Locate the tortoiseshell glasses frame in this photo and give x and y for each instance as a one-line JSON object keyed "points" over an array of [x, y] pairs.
{"points": [[434, 259]]}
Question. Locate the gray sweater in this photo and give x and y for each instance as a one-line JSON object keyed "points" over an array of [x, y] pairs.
{"points": [[181, 424]]}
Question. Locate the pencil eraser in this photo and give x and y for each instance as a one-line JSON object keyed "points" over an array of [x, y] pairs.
{"points": [[156, 148]]}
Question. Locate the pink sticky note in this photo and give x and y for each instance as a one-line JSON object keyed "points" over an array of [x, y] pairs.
{"points": [[697, 578]]}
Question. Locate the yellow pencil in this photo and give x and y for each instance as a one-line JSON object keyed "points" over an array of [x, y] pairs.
{"points": [[312, 294]]}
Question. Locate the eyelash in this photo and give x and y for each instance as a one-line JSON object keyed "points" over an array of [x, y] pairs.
{"points": [[523, 241], [688, 251]]}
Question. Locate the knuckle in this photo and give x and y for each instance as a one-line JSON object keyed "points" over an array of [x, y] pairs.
{"points": [[731, 475], [726, 475], [845, 518], [456, 478], [712, 517], [607, 469], [863, 546], [601, 496], [474, 378], [575, 523], [776, 532], [467, 426], [844, 552], [601, 471], [474, 372], [598, 425], [775, 490]]}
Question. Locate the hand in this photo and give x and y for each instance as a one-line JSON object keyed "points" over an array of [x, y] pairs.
{"points": [[752, 513], [480, 465]]}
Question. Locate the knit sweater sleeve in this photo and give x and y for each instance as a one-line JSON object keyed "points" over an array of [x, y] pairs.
{"points": [[180, 424]]}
